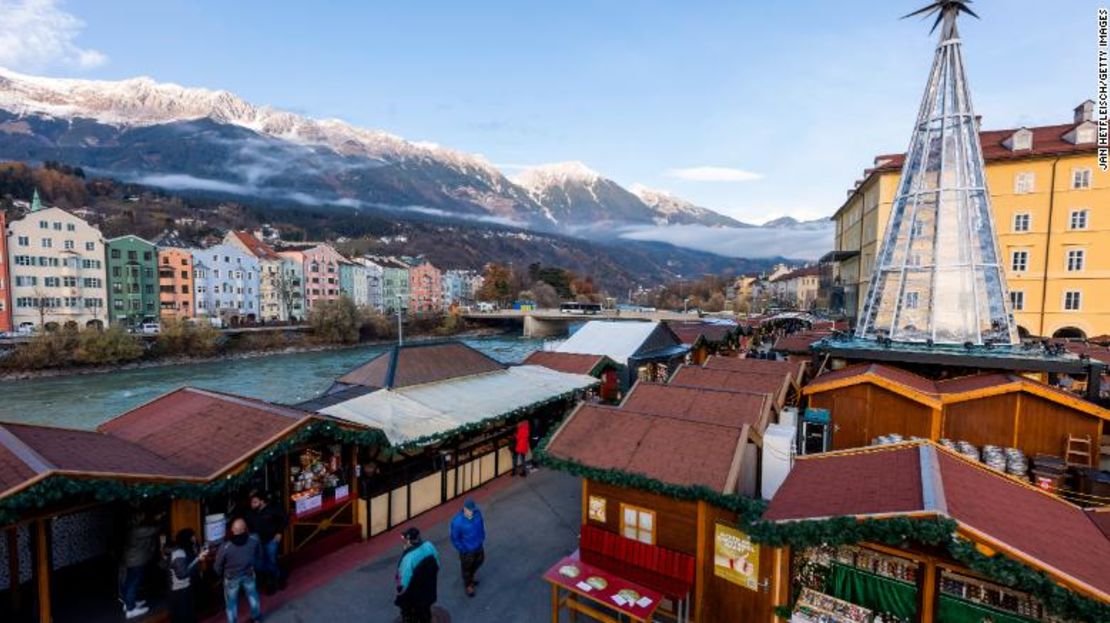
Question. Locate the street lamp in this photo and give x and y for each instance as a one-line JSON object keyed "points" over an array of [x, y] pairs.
{"points": [[685, 302], [400, 334]]}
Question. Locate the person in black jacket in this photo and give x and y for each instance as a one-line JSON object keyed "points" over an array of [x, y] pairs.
{"points": [[267, 522], [417, 574], [183, 558]]}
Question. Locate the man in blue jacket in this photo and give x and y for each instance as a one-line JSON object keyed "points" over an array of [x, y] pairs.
{"points": [[417, 573], [468, 533]]}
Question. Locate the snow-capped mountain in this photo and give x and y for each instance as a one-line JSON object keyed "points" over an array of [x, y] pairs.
{"points": [[200, 140], [789, 222], [676, 210]]}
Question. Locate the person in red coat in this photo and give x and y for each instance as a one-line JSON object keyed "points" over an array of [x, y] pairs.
{"points": [[521, 445]]}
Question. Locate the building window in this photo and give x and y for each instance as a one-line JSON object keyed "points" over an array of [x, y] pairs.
{"points": [[44, 225], [911, 300], [1075, 259], [1073, 300], [1023, 183], [1019, 261], [1078, 219], [47, 243], [1017, 300], [637, 524], [71, 227], [1080, 178], [1022, 222], [23, 241], [68, 244], [90, 246], [57, 226]]}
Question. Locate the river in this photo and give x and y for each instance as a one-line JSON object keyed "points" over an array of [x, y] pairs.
{"points": [[84, 401]]}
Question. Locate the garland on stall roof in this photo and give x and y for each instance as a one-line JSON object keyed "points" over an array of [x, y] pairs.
{"points": [[934, 531], [57, 488], [748, 509], [1059, 601]]}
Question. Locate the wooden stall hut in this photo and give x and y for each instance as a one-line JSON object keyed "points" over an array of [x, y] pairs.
{"points": [[662, 478], [1006, 410], [796, 369], [972, 544], [448, 414], [777, 386], [797, 346], [598, 366], [705, 338], [645, 350]]}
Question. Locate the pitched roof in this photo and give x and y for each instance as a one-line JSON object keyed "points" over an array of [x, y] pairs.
{"points": [[773, 385], [254, 246], [760, 366], [668, 449], [415, 364], [569, 362], [923, 478], [947, 391], [619, 341], [799, 342], [1047, 141], [71, 450], [695, 404], [204, 432], [689, 332]]}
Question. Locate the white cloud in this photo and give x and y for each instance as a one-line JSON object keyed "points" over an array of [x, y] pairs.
{"points": [[747, 242], [35, 34], [713, 174]]}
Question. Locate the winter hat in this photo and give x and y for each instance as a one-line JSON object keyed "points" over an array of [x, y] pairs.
{"points": [[411, 534], [470, 505]]}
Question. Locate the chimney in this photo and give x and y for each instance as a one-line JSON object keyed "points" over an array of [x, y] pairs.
{"points": [[1085, 112]]}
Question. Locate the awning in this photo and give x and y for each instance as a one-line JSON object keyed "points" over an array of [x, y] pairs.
{"points": [[410, 414]]}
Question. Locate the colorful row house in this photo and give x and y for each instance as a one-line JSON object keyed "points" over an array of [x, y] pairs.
{"points": [[175, 284], [133, 284], [227, 284]]}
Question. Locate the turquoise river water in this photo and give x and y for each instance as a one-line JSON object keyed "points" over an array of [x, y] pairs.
{"points": [[84, 401]]}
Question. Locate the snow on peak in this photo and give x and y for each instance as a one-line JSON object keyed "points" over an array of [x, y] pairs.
{"points": [[138, 102], [545, 176], [664, 202]]}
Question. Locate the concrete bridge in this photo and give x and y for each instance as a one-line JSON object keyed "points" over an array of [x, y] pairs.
{"points": [[552, 322]]}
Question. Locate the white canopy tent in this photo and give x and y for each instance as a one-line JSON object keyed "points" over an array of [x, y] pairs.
{"points": [[410, 413]]}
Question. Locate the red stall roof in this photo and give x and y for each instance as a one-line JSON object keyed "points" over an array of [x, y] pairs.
{"points": [[571, 363], [921, 478], [416, 364]]}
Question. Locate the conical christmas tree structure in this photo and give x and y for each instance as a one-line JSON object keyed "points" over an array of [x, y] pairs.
{"points": [[937, 277]]}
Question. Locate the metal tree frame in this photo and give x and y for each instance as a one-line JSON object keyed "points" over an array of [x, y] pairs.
{"points": [[938, 277]]}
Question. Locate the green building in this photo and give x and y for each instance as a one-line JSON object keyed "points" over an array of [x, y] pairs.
{"points": [[132, 280]]}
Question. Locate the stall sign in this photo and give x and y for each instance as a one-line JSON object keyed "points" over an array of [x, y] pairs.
{"points": [[308, 504], [215, 527], [597, 508], [735, 557], [342, 492]]}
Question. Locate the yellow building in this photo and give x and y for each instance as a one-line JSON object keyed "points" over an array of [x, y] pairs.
{"points": [[1052, 214]]}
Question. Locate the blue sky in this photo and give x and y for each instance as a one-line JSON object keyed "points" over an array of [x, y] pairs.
{"points": [[798, 95]]}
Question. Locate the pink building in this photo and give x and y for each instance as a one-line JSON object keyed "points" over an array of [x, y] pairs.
{"points": [[425, 287], [321, 273]]}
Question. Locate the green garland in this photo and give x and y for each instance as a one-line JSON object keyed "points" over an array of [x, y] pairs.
{"points": [[61, 487], [56, 488], [1059, 601], [894, 531], [748, 509]]}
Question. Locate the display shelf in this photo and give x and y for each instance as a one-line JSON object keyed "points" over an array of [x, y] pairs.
{"points": [[991, 595]]}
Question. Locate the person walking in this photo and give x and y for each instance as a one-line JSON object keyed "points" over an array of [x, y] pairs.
{"points": [[267, 522], [468, 534], [236, 563], [417, 574], [138, 552], [183, 559], [521, 446]]}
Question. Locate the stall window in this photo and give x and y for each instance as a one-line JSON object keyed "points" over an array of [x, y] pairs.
{"points": [[638, 524]]}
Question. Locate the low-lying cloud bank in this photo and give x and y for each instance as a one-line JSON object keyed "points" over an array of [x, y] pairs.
{"points": [[748, 242]]}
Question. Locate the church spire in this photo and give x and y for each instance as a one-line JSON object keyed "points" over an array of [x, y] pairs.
{"points": [[36, 203], [937, 276]]}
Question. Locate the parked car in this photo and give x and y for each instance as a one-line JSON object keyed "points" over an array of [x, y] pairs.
{"points": [[486, 307], [150, 328]]}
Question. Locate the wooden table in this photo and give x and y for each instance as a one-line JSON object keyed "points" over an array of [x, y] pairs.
{"points": [[575, 595]]}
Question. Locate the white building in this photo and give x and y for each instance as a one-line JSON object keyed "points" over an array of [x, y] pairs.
{"points": [[226, 283], [375, 289], [56, 270], [460, 287]]}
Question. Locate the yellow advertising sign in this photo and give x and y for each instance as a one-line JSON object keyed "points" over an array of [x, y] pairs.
{"points": [[735, 557]]}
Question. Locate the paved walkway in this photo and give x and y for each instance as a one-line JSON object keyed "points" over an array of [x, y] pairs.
{"points": [[530, 524]]}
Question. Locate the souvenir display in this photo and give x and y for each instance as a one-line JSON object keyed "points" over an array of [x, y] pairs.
{"points": [[992, 595], [317, 472], [597, 582], [569, 570]]}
